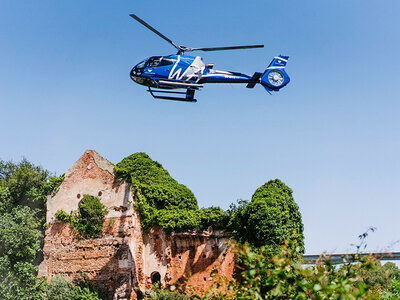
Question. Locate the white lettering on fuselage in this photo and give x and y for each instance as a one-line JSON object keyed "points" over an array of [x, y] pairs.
{"points": [[177, 74], [187, 73]]}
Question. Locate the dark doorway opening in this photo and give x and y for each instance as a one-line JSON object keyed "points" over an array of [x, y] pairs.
{"points": [[155, 278]]}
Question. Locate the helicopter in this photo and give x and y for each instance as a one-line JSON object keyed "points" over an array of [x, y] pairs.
{"points": [[164, 75]]}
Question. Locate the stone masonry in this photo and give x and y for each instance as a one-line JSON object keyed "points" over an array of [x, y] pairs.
{"points": [[124, 261]]}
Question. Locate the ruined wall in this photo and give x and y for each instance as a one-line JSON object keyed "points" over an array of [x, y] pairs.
{"points": [[108, 260], [124, 260], [193, 259]]}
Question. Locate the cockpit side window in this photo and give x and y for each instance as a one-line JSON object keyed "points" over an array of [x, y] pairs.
{"points": [[154, 61], [166, 62]]}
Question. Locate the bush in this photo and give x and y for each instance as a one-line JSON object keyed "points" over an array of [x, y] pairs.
{"points": [[166, 295], [84, 288], [87, 221], [284, 277], [60, 288], [62, 216]]}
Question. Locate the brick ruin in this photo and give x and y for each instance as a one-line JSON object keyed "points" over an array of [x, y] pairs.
{"points": [[125, 261]]}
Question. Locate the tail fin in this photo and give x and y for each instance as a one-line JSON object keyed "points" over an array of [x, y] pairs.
{"points": [[279, 62], [275, 77]]}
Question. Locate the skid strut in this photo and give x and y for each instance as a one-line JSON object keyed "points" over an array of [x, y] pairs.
{"points": [[189, 95]]}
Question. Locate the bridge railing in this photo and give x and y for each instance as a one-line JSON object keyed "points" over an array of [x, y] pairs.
{"points": [[349, 257]]}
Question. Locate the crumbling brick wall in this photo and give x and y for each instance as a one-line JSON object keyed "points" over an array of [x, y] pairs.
{"points": [[124, 261]]}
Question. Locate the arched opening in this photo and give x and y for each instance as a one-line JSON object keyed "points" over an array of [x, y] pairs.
{"points": [[155, 278]]}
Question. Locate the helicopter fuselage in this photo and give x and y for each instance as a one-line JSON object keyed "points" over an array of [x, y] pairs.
{"points": [[191, 73], [181, 68]]}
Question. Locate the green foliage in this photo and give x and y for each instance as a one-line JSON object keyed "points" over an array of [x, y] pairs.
{"points": [[213, 217], [24, 184], [18, 281], [384, 279], [54, 184], [84, 289], [154, 183], [19, 236], [381, 275], [20, 242], [23, 194], [63, 217], [166, 295], [161, 200], [284, 277], [270, 218], [180, 220], [60, 288], [394, 291], [87, 221]]}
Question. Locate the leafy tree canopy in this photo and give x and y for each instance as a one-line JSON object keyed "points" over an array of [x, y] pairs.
{"points": [[270, 218], [23, 193]]}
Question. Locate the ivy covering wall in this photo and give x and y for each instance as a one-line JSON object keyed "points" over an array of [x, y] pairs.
{"points": [[161, 200]]}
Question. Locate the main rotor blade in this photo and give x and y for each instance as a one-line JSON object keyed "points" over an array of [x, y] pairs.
{"points": [[226, 48], [154, 30]]}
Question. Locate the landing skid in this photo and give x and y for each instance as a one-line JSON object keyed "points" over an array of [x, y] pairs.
{"points": [[189, 95]]}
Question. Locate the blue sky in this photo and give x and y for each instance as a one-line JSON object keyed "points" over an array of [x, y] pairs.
{"points": [[332, 135]]}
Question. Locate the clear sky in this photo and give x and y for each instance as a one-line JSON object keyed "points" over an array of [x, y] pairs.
{"points": [[332, 135]]}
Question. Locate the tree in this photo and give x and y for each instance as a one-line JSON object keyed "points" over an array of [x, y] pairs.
{"points": [[20, 242], [23, 193], [269, 219]]}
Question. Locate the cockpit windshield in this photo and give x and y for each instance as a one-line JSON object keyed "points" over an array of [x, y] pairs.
{"points": [[166, 61], [141, 65]]}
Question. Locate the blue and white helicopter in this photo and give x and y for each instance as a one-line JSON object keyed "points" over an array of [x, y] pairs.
{"points": [[165, 74]]}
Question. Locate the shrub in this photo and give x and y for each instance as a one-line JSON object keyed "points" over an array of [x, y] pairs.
{"points": [[166, 295], [62, 216], [84, 288], [60, 288]]}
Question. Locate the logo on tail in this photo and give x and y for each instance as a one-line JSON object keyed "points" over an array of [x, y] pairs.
{"points": [[279, 62]]}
